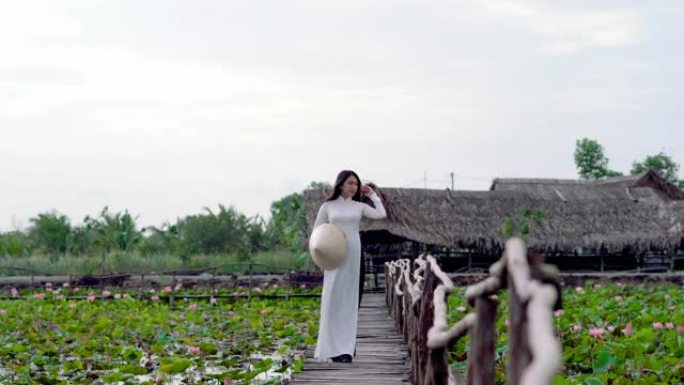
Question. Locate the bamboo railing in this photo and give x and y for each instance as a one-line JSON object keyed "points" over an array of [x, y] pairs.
{"points": [[417, 299]]}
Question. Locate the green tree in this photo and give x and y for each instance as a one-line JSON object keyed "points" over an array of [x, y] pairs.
{"points": [[162, 240], [660, 163], [288, 225], [112, 231], [227, 231], [521, 225], [50, 232], [80, 241], [14, 244], [590, 160]]}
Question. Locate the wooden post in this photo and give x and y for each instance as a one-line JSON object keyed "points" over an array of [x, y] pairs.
{"points": [[519, 355], [483, 344], [425, 321], [213, 282], [173, 288], [249, 293], [437, 369], [142, 286]]}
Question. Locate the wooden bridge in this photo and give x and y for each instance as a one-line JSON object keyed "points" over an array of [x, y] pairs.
{"points": [[381, 354], [411, 345]]}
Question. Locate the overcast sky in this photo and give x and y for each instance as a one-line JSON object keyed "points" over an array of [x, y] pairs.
{"points": [[166, 107]]}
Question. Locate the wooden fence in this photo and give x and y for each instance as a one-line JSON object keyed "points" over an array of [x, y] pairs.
{"points": [[417, 298]]}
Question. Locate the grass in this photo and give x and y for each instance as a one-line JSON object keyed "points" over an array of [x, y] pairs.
{"points": [[277, 261]]}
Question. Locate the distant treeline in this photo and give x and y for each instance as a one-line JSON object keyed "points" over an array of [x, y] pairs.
{"points": [[222, 231]]}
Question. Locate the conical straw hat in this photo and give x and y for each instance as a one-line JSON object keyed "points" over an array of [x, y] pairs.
{"points": [[328, 246]]}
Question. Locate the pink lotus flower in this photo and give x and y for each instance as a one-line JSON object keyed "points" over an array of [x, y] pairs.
{"points": [[91, 297], [39, 295], [666, 296], [155, 298], [263, 311], [3, 312], [77, 288], [48, 285], [669, 325], [72, 305], [618, 298], [258, 290], [212, 301], [65, 284], [167, 289], [14, 292], [610, 328], [275, 286], [558, 313], [117, 296], [106, 293], [192, 307], [60, 297], [596, 332], [680, 329], [579, 289], [302, 286], [461, 308], [507, 322], [178, 287], [125, 296], [597, 286], [576, 328], [193, 349], [619, 284], [152, 290], [627, 330], [657, 325]]}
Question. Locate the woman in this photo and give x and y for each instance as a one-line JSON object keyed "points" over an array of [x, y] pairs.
{"points": [[339, 300]]}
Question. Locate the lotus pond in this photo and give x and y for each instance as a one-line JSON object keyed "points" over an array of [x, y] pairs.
{"points": [[610, 333], [116, 338]]}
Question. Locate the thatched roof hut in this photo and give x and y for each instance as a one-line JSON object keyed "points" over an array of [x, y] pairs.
{"points": [[620, 216]]}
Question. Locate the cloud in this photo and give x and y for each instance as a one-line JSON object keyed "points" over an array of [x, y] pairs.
{"points": [[572, 32]]}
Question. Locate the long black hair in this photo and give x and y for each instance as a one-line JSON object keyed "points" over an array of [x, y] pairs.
{"points": [[341, 178]]}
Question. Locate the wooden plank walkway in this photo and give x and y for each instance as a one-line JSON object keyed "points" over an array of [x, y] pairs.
{"points": [[381, 355]]}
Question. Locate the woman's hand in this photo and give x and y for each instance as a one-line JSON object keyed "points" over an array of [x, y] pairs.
{"points": [[367, 191]]}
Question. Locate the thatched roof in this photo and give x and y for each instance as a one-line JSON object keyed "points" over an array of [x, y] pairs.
{"points": [[584, 218], [621, 187]]}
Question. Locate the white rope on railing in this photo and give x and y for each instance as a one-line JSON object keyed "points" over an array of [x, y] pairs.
{"points": [[440, 335], [397, 271], [545, 348], [489, 285]]}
